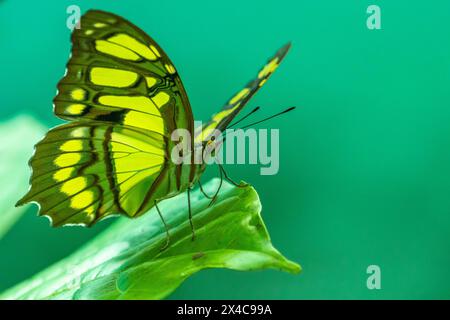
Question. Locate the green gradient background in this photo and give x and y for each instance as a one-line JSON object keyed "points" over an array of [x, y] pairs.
{"points": [[365, 161]]}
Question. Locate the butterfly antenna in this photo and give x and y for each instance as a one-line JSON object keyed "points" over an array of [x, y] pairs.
{"points": [[244, 117], [268, 118]]}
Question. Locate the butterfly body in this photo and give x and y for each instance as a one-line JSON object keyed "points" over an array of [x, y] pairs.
{"points": [[123, 99]]}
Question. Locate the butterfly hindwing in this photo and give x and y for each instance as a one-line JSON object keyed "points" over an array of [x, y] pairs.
{"points": [[234, 105], [86, 171]]}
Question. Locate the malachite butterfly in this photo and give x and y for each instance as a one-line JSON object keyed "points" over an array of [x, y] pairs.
{"points": [[122, 97]]}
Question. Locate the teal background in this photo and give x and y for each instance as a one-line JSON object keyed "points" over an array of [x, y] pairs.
{"points": [[365, 159]]}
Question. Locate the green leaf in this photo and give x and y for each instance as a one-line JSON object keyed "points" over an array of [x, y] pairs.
{"points": [[125, 261], [17, 137]]}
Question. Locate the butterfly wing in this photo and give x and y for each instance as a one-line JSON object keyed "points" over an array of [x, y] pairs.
{"points": [[119, 74], [124, 97], [222, 119], [84, 171]]}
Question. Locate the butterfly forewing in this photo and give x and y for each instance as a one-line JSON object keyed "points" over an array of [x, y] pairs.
{"points": [[222, 119]]}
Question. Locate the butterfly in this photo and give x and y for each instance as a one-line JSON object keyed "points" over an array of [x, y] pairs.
{"points": [[122, 97]]}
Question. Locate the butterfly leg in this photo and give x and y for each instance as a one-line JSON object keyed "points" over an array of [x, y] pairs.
{"points": [[218, 189], [239, 185], [190, 213], [166, 245], [203, 191]]}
